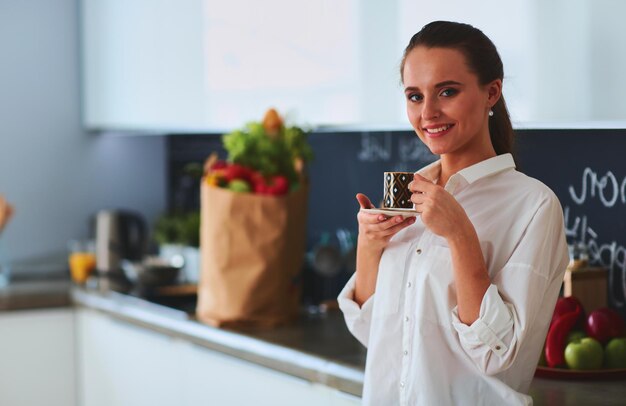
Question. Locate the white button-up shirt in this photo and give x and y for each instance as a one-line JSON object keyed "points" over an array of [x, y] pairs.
{"points": [[419, 352]]}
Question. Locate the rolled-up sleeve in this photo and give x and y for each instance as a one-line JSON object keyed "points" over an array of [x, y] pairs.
{"points": [[526, 286], [492, 329], [358, 318]]}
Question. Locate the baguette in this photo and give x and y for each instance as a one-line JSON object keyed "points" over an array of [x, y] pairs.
{"points": [[6, 211]]}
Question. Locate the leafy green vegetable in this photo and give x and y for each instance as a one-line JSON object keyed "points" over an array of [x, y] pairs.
{"points": [[270, 154]]}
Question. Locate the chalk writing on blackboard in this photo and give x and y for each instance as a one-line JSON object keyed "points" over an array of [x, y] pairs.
{"points": [[375, 148], [607, 188], [611, 255], [414, 150]]}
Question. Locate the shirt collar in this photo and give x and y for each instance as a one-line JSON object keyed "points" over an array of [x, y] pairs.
{"points": [[488, 167], [475, 172]]}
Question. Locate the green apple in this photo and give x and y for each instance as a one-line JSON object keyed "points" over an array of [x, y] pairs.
{"points": [[615, 353], [575, 335], [584, 353]]}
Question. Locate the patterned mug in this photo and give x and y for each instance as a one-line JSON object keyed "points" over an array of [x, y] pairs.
{"points": [[397, 194]]}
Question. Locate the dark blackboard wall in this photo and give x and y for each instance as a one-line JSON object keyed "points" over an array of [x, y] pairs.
{"points": [[585, 168], [587, 171]]}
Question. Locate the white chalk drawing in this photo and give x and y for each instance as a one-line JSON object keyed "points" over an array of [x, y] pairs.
{"points": [[413, 150], [610, 191], [607, 188], [374, 148]]}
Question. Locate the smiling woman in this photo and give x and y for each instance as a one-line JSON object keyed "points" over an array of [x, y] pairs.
{"points": [[450, 303], [563, 58]]}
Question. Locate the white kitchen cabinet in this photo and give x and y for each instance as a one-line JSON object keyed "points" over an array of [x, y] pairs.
{"points": [[339, 398], [217, 379], [211, 65], [122, 364], [37, 361]]}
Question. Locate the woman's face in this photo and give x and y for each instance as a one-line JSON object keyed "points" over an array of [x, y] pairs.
{"points": [[445, 104]]}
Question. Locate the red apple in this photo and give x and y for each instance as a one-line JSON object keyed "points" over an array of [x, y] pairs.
{"points": [[604, 324]]}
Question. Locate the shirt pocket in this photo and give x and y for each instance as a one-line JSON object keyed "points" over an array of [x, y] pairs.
{"points": [[439, 290], [390, 280]]}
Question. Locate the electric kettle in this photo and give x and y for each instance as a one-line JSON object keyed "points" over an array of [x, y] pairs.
{"points": [[119, 235]]}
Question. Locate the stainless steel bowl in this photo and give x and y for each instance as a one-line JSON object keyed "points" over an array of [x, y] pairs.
{"points": [[152, 271]]}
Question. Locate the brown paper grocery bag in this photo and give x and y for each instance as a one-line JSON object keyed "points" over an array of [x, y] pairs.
{"points": [[252, 249]]}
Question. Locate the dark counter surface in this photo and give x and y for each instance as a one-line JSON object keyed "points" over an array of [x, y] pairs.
{"points": [[316, 348], [25, 295]]}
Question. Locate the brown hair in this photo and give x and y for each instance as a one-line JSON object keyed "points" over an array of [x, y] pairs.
{"points": [[482, 59]]}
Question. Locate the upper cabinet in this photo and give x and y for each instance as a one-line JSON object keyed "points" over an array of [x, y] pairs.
{"points": [[143, 64], [212, 65]]}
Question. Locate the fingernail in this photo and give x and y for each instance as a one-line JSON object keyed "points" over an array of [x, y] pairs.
{"points": [[399, 219]]}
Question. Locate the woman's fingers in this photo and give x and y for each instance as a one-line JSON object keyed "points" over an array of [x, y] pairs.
{"points": [[397, 226], [388, 227], [364, 201], [420, 184]]}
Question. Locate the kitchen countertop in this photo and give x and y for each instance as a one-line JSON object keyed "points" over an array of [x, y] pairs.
{"points": [[24, 295], [317, 348]]}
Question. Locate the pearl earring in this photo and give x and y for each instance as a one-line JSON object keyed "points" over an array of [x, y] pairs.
{"points": [[490, 113]]}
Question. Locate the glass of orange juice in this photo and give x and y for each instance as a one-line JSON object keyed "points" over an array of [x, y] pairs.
{"points": [[82, 259]]}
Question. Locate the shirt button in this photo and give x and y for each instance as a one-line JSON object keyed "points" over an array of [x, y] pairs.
{"points": [[406, 319], [408, 285], [418, 251], [498, 347], [402, 384], [406, 352]]}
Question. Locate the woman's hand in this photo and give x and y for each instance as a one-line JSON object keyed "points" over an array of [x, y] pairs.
{"points": [[375, 230], [440, 211], [444, 216]]}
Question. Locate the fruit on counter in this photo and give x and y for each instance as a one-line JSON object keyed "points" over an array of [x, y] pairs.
{"points": [[615, 353], [604, 324], [567, 345], [584, 353], [566, 305], [575, 335], [557, 336]]}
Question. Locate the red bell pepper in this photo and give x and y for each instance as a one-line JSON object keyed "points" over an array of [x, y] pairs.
{"points": [[557, 337]]}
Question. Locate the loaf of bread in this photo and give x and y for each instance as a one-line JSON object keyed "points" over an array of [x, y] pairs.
{"points": [[6, 211]]}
